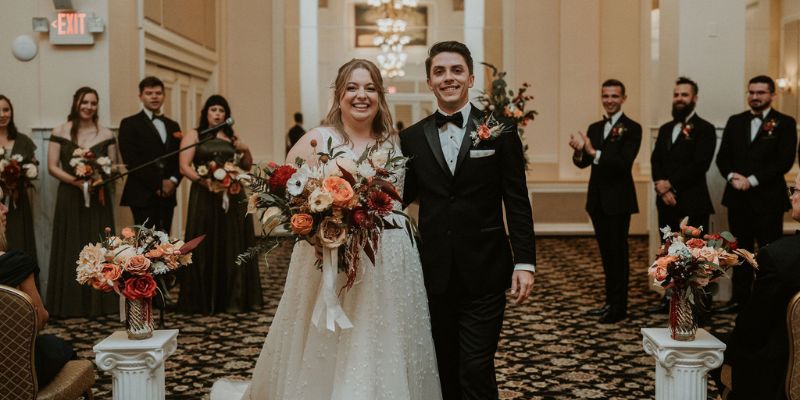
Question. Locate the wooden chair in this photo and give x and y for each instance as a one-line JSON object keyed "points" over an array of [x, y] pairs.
{"points": [[17, 345]]}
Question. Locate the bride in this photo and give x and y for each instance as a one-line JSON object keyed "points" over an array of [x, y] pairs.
{"points": [[388, 352]]}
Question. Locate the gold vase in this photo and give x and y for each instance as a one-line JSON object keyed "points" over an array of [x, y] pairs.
{"points": [[682, 323], [139, 322]]}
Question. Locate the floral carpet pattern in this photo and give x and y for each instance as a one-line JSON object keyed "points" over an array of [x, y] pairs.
{"points": [[549, 349]]}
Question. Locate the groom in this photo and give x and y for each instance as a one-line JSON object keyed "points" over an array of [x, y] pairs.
{"points": [[467, 258]]}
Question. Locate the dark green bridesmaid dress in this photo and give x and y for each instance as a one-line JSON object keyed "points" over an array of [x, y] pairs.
{"points": [[213, 283], [75, 226], [20, 218]]}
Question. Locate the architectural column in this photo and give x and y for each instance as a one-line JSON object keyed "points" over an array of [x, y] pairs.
{"points": [[136, 366], [681, 367], [309, 61], [473, 38]]}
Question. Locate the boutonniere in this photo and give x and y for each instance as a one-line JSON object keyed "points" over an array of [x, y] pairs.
{"points": [[617, 131], [686, 131], [177, 135], [488, 129], [769, 126]]}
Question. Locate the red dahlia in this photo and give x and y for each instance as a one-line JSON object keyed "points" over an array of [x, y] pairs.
{"points": [[280, 176], [379, 202]]}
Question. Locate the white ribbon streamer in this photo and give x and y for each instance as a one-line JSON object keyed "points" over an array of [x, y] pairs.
{"points": [[122, 315], [225, 201], [327, 300], [86, 194]]}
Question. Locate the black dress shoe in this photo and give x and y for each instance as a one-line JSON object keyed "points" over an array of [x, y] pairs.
{"points": [[599, 311], [661, 308], [612, 317], [730, 307]]}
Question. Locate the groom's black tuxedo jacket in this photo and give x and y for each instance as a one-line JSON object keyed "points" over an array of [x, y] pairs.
{"points": [[461, 214], [768, 157], [139, 142], [611, 189], [684, 163]]}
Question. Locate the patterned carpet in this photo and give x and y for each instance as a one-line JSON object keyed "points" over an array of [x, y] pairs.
{"points": [[550, 348]]}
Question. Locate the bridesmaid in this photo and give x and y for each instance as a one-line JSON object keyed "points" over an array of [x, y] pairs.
{"points": [[214, 283], [74, 224], [20, 218]]}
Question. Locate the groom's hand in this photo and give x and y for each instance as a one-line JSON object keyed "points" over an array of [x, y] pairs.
{"points": [[521, 285]]}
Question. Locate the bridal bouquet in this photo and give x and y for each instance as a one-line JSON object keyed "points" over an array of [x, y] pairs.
{"points": [[342, 203], [92, 170], [15, 175], [504, 102], [687, 262]]}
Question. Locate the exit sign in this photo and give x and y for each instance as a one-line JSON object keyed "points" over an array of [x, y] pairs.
{"points": [[70, 27]]}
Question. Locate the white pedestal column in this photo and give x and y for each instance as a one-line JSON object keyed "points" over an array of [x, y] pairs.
{"points": [[681, 367], [137, 366]]}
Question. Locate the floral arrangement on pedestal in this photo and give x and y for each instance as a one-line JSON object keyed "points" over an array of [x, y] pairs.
{"points": [[687, 262], [127, 264], [16, 175], [504, 103], [342, 204]]}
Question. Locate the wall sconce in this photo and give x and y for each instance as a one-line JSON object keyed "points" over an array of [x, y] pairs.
{"points": [[784, 84]]}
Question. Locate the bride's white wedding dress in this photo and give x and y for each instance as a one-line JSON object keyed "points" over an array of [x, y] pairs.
{"points": [[387, 354]]}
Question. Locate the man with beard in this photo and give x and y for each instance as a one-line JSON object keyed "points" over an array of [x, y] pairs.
{"points": [[758, 148], [610, 147], [682, 155]]}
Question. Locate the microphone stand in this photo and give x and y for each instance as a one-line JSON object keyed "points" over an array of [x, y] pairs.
{"points": [[170, 154]]}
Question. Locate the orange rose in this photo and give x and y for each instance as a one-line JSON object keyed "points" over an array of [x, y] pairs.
{"points": [[138, 265], [155, 253], [97, 284], [483, 132], [128, 233], [111, 272], [340, 190], [302, 224]]}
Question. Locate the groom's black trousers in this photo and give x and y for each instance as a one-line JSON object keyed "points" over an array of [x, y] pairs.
{"points": [[466, 329], [611, 232]]}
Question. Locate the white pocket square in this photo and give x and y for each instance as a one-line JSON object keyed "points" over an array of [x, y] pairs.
{"points": [[480, 153]]}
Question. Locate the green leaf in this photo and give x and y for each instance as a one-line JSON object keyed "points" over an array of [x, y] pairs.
{"points": [[728, 236]]}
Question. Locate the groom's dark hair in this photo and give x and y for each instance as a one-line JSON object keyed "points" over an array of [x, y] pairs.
{"points": [[448, 47]]}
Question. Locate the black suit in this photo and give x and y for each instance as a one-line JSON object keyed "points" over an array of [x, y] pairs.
{"points": [[684, 164], [610, 201], [758, 351], [756, 215], [140, 142], [467, 258]]}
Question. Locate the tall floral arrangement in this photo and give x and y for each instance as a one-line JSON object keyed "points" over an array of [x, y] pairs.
{"points": [[503, 102]]}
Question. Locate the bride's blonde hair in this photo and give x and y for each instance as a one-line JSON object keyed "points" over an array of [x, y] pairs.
{"points": [[382, 126]]}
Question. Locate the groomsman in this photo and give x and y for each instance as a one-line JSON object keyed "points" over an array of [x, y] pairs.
{"points": [[682, 155], [758, 148], [143, 137], [609, 147]]}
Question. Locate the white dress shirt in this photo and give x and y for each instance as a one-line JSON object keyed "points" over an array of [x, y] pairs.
{"points": [[159, 124], [606, 130], [451, 137]]}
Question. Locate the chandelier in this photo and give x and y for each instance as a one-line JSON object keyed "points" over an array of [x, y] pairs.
{"points": [[391, 36]]}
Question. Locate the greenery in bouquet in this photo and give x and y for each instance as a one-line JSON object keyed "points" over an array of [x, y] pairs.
{"points": [[691, 260], [16, 175], [502, 102], [127, 263], [341, 203]]}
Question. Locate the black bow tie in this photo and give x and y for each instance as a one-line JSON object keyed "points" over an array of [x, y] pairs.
{"points": [[457, 119], [756, 116], [155, 117]]}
